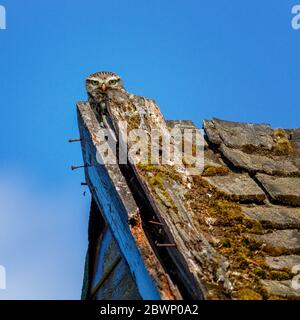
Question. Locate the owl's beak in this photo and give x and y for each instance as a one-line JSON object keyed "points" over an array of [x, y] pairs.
{"points": [[103, 87]]}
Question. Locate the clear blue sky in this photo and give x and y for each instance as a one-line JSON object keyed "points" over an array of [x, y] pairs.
{"points": [[236, 60]]}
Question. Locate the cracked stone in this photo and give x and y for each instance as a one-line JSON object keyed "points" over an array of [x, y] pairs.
{"points": [[238, 186], [260, 163], [295, 135], [244, 136], [213, 164], [282, 262], [282, 289], [280, 241], [181, 124], [281, 189], [211, 132], [296, 154], [274, 216]]}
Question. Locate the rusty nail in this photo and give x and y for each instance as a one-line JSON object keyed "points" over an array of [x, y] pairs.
{"points": [[165, 244], [131, 179], [78, 167], [75, 140], [155, 222]]}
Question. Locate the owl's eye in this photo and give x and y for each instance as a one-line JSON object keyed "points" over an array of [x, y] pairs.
{"points": [[113, 81], [94, 82]]}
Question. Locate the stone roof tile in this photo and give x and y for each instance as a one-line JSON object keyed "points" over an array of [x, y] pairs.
{"points": [[238, 135], [280, 241], [238, 186], [275, 165], [271, 216], [283, 262], [282, 289], [281, 189]]}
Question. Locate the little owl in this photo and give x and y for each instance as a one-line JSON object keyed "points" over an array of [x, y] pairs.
{"points": [[98, 86]]}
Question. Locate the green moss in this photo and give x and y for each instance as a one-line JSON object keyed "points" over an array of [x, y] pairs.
{"points": [[275, 298], [210, 170], [157, 180], [254, 226], [260, 273], [156, 175], [230, 212], [231, 229], [279, 134], [242, 259], [283, 147], [279, 275], [251, 243], [164, 170], [134, 121], [146, 167], [226, 243], [248, 294], [172, 173]]}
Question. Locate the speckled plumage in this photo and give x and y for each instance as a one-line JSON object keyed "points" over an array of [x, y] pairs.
{"points": [[98, 86]]}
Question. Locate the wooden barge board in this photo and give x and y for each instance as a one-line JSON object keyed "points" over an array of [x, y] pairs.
{"points": [[115, 201]]}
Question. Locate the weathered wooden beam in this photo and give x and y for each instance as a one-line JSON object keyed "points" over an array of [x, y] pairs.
{"points": [[114, 199], [106, 275], [190, 256]]}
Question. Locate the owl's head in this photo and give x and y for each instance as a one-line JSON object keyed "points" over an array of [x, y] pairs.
{"points": [[101, 82]]}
